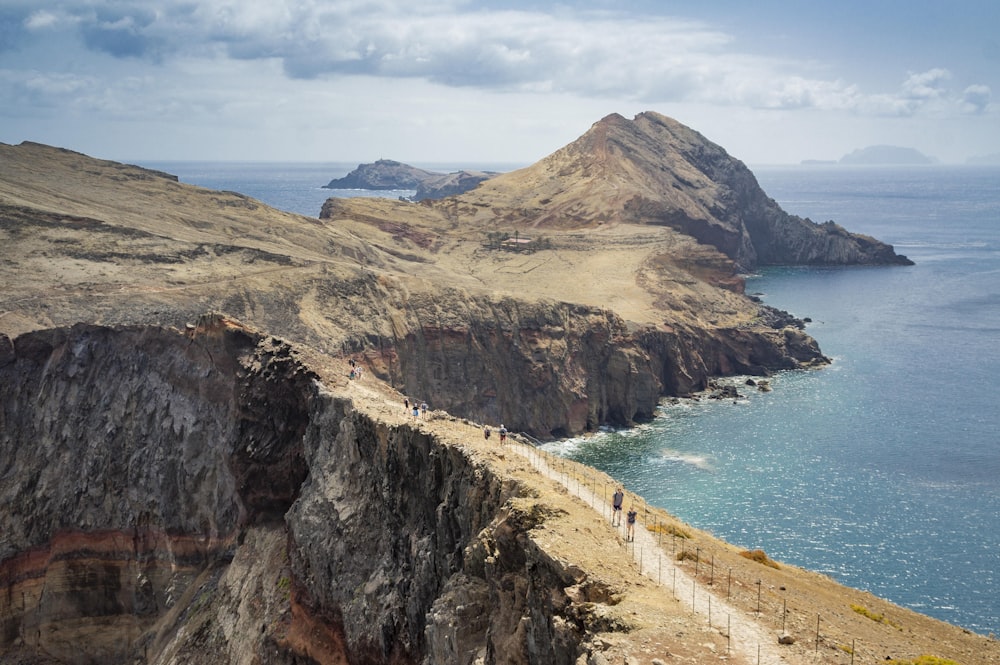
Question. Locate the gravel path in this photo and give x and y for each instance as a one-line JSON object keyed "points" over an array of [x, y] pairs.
{"points": [[747, 638]]}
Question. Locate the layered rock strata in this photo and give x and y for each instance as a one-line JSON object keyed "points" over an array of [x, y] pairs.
{"points": [[201, 498]]}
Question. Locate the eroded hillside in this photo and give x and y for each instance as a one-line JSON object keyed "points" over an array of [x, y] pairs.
{"points": [[593, 327]]}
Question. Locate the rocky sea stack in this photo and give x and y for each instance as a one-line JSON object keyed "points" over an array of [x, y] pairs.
{"points": [[189, 474]]}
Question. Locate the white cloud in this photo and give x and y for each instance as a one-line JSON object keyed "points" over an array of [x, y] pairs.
{"points": [[976, 98], [309, 63], [604, 54], [41, 20], [926, 85]]}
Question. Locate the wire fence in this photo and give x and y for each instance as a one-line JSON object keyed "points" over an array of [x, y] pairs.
{"points": [[669, 552]]}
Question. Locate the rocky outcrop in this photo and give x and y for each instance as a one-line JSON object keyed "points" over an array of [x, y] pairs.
{"points": [[554, 369], [201, 498], [386, 174], [450, 184], [381, 175]]}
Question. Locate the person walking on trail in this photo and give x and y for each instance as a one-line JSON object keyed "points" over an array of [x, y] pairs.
{"points": [[486, 432], [630, 524], [503, 434], [406, 404], [616, 505]]}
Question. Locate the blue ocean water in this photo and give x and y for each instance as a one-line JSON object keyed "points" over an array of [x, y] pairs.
{"points": [[882, 470], [292, 186]]}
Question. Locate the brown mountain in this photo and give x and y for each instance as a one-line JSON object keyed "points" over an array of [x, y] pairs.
{"points": [[655, 171]]}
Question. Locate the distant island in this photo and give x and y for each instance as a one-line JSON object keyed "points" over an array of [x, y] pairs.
{"points": [[388, 174], [984, 160], [881, 155], [886, 155]]}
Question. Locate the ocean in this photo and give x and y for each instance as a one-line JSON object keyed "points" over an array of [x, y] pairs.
{"points": [[881, 470]]}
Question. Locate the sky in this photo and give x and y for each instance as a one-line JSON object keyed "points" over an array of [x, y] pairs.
{"points": [[477, 83]]}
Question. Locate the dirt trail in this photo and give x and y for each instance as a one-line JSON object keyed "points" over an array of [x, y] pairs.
{"points": [[747, 638], [674, 611]]}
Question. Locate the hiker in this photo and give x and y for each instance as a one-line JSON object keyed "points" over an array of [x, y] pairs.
{"points": [[630, 524], [486, 432], [616, 504], [503, 434], [423, 408], [406, 404], [416, 410]]}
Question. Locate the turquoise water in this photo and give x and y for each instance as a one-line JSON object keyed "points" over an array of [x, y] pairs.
{"points": [[882, 470]]}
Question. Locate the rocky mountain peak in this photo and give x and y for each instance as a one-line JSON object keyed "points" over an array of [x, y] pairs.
{"points": [[653, 170]]}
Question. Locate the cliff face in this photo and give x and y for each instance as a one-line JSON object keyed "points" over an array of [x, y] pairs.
{"points": [[554, 369], [201, 498], [132, 460], [633, 295], [382, 175], [386, 174]]}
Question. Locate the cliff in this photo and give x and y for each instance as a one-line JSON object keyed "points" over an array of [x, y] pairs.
{"points": [[594, 329], [195, 454], [386, 174], [382, 174], [230, 503]]}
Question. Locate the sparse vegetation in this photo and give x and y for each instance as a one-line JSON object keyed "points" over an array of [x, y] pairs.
{"points": [[924, 660], [684, 555], [285, 587], [501, 240], [668, 530], [874, 616], [760, 557]]}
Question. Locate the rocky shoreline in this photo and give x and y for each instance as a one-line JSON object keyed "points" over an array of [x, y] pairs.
{"points": [[283, 513]]}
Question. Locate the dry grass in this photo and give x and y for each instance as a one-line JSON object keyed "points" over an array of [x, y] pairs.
{"points": [[760, 557]]}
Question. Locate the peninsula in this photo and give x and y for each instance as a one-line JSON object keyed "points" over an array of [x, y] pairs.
{"points": [[190, 475]]}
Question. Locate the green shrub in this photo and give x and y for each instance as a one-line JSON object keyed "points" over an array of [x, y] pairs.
{"points": [[877, 618], [924, 660]]}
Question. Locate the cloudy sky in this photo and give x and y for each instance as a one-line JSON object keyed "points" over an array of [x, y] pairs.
{"points": [[454, 81]]}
